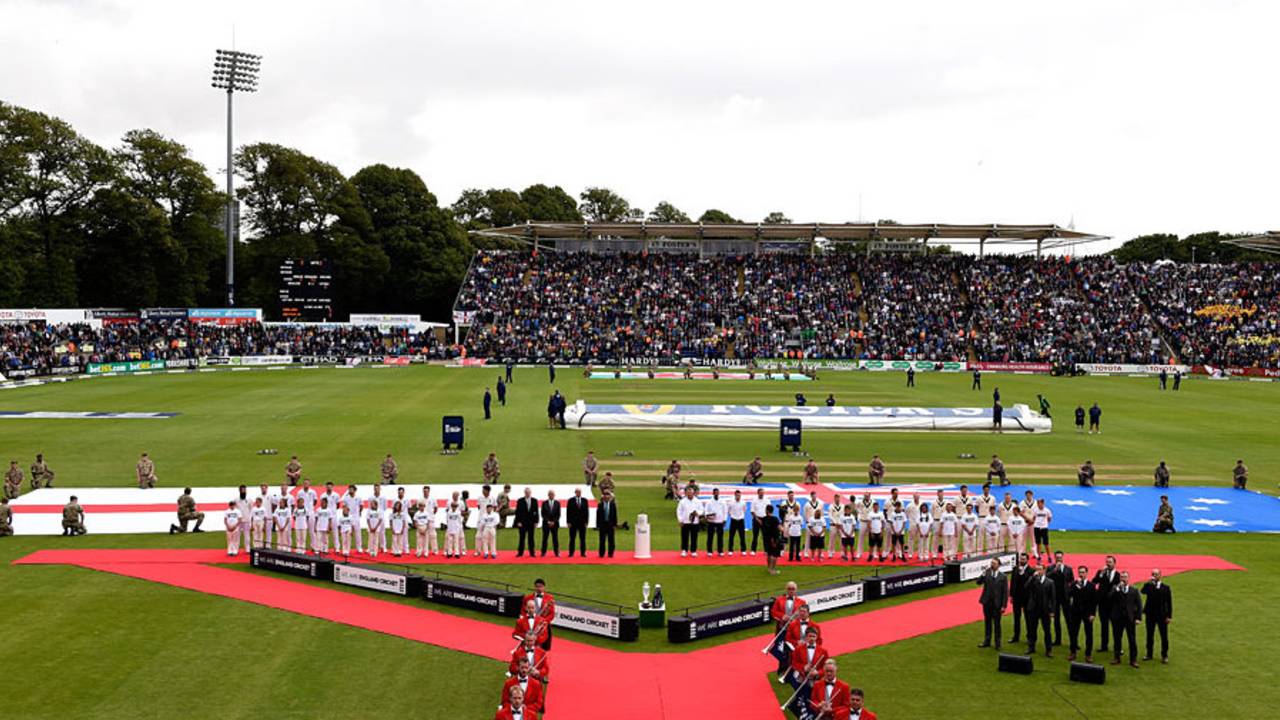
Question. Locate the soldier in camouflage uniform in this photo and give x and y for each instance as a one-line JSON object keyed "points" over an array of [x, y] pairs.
{"points": [[6, 518], [293, 471], [73, 518], [146, 472], [41, 474], [13, 480], [607, 484], [186, 513], [491, 470], [503, 504], [390, 471]]}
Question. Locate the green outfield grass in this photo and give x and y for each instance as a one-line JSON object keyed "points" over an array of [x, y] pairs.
{"points": [[84, 644]]}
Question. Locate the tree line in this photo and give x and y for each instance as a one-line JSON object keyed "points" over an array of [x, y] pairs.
{"points": [[140, 224]]}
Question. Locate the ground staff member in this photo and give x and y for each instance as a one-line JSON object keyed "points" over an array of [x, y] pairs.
{"points": [[688, 512], [758, 507], [737, 511]]}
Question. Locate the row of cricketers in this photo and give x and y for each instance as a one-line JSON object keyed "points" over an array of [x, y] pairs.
{"points": [[945, 528]]}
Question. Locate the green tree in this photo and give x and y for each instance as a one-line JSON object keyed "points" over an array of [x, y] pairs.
{"points": [[604, 205], [777, 218], [129, 255], [714, 216], [549, 204], [1148, 248], [428, 251], [160, 170], [665, 212], [48, 173]]}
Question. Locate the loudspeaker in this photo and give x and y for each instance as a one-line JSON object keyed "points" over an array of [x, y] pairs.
{"points": [[1020, 664], [1087, 673]]}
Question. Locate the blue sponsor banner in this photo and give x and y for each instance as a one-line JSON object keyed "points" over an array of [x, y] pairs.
{"points": [[222, 313]]}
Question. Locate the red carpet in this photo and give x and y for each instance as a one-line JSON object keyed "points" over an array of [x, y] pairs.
{"points": [[590, 682]]}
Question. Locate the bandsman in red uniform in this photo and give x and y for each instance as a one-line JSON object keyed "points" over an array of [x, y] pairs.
{"points": [[544, 604], [529, 622], [515, 708], [829, 697], [538, 659], [525, 686]]}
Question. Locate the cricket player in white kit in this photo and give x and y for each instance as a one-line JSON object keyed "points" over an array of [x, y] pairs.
{"points": [[244, 506], [351, 501], [232, 522]]}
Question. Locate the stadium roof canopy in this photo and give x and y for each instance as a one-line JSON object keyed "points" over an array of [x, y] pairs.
{"points": [[880, 236], [1266, 242]]}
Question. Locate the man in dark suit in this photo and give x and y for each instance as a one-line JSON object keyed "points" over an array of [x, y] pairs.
{"points": [[606, 522], [1061, 575], [994, 599], [1126, 613], [550, 523], [526, 519], [1042, 603], [1159, 612], [576, 515], [1021, 575], [1081, 606], [1104, 583]]}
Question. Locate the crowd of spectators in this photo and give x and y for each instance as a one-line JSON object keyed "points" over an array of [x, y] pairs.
{"points": [[40, 348], [579, 307], [1221, 315]]}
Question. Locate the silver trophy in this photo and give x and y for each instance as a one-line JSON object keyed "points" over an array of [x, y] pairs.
{"points": [[645, 591]]}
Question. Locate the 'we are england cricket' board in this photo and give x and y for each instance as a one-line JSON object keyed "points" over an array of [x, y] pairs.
{"points": [[130, 510]]}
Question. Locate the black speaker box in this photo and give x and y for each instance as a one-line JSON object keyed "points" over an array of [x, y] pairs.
{"points": [[1087, 673], [1020, 664]]}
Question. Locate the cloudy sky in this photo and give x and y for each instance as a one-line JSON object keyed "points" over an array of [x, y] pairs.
{"points": [[1129, 117]]}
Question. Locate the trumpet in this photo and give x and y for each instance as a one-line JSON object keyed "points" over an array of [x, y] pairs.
{"points": [[823, 710], [785, 622], [804, 682]]}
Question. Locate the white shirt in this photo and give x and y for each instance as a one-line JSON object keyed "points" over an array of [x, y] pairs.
{"points": [[992, 524], [1043, 516], [757, 507], [848, 525], [687, 508], [795, 525], [1017, 524], [300, 515], [816, 527], [924, 524], [333, 498], [282, 517], [713, 509], [862, 510], [322, 519], [913, 512], [948, 522], [876, 523], [484, 503], [970, 523], [258, 516], [232, 519], [346, 524], [424, 519], [378, 501], [245, 506], [453, 521], [309, 499], [899, 522], [737, 509], [399, 522], [489, 521], [352, 503], [373, 518]]}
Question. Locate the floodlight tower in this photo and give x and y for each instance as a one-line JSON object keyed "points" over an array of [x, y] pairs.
{"points": [[233, 71]]}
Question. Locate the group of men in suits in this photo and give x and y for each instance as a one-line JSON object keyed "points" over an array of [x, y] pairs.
{"points": [[576, 512], [1051, 592], [524, 694]]}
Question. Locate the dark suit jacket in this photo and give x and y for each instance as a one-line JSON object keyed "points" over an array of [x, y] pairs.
{"points": [[1018, 583], [1061, 579], [995, 591], [577, 512], [1081, 602], [1104, 588], [527, 512], [1159, 601], [607, 520], [1042, 598], [1126, 607], [551, 513]]}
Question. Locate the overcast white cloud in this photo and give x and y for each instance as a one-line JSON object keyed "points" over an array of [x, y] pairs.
{"points": [[1132, 117]]}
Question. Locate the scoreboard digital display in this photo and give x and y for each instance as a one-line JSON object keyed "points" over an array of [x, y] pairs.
{"points": [[306, 290]]}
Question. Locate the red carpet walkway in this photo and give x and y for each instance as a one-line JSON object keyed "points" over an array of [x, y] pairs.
{"points": [[590, 681]]}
